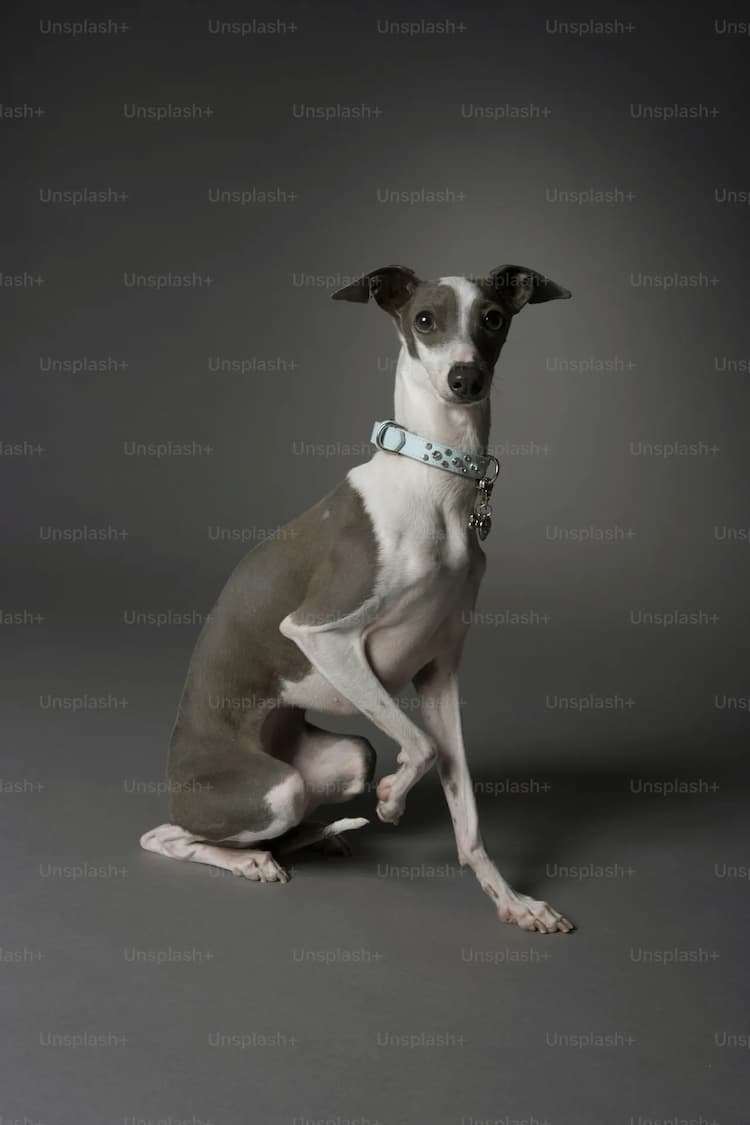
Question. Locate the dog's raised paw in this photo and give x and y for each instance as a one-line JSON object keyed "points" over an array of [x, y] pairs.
{"points": [[388, 811], [530, 914], [386, 815], [384, 787]]}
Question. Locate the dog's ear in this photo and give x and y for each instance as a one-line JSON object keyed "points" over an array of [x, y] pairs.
{"points": [[391, 286], [517, 286]]}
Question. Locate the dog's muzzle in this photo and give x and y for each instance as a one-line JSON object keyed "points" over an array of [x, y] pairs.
{"points": [[468, 381]]}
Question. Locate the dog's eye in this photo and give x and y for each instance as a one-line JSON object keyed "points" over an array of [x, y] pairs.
{"points": [[493, 319], [424, 321]]}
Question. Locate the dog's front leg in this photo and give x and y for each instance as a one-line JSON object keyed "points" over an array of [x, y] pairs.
{"points": [[339, 655], [437, 685]]}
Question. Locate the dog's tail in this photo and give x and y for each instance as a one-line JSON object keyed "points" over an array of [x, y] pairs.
{"points": [[307, 834]]}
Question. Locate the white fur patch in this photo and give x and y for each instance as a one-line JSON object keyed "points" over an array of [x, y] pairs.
{"points": [[286, 801], [466, 294]]}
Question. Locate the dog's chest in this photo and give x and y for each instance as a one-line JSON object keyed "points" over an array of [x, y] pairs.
{"points": [[416, 595], [422, 574], [421, 582], [419, 590], [423, 568]]}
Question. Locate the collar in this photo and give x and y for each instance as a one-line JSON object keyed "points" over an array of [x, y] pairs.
{"points": [[393, 438]]}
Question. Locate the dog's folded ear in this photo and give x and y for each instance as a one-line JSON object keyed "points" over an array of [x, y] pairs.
{"points": [[517, 286], [391, 286]]}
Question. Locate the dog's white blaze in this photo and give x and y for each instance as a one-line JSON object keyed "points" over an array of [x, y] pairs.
{"points": [[466, 294], [438, 361]]}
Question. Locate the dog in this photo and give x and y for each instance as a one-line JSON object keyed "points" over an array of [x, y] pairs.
{"points": [[369, 590]]}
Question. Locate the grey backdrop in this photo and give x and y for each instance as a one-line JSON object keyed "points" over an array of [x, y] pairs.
{"points": [[605, 689]]}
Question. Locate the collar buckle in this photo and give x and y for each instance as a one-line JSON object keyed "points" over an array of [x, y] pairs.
{"points": [[378, 436]]}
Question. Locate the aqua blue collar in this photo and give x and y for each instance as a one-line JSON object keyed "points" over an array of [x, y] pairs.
{"points": [[393, 438]]}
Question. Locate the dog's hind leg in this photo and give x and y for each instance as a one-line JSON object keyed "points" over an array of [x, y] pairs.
{"points": [[177, 843], [335, 767], [218, 816]]}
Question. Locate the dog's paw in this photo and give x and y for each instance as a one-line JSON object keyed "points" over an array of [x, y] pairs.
{"points": [[530, 914], [388, 811], [259, 866]]}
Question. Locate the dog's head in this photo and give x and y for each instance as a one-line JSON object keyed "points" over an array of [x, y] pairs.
{"points": [[455, 327]]}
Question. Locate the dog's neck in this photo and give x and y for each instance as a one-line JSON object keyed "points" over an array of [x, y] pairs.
{"points": [[417, 408]]}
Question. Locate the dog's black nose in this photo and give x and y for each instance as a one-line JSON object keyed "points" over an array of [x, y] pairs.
{"points": [[467, 381]]}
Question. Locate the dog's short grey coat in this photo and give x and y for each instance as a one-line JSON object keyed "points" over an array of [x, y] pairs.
{"points": [[322, 565]]}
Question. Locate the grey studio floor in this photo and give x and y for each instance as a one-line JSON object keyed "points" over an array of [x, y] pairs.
{"points": [[375, 988]]}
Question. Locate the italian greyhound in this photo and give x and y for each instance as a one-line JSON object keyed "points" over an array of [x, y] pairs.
{"points": [[369, 590]]}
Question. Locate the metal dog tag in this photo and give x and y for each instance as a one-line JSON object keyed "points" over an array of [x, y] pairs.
{"points": [[484, 526], [480, 519]]}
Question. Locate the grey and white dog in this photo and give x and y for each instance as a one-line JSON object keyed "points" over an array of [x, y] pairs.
{"points": [[368, 591]]}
